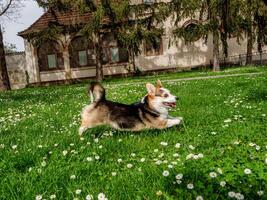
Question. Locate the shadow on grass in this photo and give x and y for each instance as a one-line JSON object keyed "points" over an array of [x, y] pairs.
{"points": [[258, 94], [98, 132]]}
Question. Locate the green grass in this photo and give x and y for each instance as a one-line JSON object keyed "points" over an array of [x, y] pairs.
{"points": [[43, 123]]}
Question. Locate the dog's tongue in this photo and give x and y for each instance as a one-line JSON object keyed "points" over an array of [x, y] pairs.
{"points": [[171, 104]]}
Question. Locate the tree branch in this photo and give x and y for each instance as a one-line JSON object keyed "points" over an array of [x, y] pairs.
{"points": [[6, 8]]}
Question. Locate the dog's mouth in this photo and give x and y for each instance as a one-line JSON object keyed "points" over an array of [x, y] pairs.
{"points": [[170, 104]]}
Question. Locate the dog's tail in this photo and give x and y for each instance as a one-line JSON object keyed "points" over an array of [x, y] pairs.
{"points": [[96, 92]]}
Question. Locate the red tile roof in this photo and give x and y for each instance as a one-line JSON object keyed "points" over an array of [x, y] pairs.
{"points": [[64, 18]]}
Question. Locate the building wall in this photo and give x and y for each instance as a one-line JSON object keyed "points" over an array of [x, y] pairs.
{"points": [[16, 70], [176, 54]]}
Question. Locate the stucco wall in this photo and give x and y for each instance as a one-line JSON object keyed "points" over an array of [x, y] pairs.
{"points": [[16, 70]]}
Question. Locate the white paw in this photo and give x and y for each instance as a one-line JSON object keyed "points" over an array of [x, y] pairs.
{"points": [[81, 130]]}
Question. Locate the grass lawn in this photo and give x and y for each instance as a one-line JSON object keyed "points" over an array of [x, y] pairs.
{"points": [[220, 152]]}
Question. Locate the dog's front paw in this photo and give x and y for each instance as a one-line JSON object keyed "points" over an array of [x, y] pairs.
{"points": [[180, 118]]}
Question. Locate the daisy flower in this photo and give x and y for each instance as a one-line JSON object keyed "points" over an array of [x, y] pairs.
{"points": [[89, 197], [190, 186], [78, 191], [177, 145], [213, 174], [38, 197], [199, 198], [166, 173], [179, 176], [222, 183], [129, 165], [247, 171], [101, 196]]}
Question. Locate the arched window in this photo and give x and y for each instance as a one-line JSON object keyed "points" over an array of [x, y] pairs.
{"points": [[192, 30], [112, 53], [50, 57], [81, 52]]}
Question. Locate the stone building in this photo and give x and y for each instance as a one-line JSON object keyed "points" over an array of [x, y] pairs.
{"points": [[72, 57]]}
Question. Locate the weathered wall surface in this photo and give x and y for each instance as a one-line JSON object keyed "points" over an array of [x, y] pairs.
{"points": [[16, 64]]}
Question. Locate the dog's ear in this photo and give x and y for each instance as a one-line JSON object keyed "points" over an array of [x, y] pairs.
{"points": [[151, 89], [159, 84]]}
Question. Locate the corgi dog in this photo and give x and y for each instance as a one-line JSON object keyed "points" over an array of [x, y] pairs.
{"points": [[150, 113]]}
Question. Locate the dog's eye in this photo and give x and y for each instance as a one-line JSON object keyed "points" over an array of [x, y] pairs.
{"points": [[166, 95]]}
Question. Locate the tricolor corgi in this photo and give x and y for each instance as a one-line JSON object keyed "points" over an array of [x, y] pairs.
{"points": [[150, 113]]}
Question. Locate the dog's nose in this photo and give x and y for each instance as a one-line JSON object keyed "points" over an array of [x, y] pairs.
{"points": [[176, 98]]}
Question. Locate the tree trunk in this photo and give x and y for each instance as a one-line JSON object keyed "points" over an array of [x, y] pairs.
{"points": [[98, 53], [132, 59], [249, 46], [216, 64], [249, 34], [4, 80]]}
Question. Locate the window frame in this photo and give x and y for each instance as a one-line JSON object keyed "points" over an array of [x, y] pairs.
{"points": [[109, 47], [47, 59], [154, 53]]}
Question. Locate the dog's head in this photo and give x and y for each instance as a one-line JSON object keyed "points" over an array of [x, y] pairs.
{"points": [[160, 98]]}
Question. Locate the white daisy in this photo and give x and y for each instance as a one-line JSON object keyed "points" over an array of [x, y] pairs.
{"points": [[222, 183], [129, 165], [164, 143], [191, 147], [72, 177], [251, 144], [89, 197], [179, 176], [247, 171], [189, 156], [239, 196], [119, 160], [158, 162], [161, 155], [213, 174], [133, 154], [156, 150], [177, 145], [53, 196], [43, 164], [159, 193], [96, 140], [89, 159], [200, 155], [178, 182], [97, 157], [170, 166], [199, 198], [175, 155], [166, 173], [38, 197], [78, 191], [227, 120], [14, 146], [65, 152], [231, 194], [113, 173], [101, 196], [142, 159], [219, 170], [190, 186], [260, 193]]}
